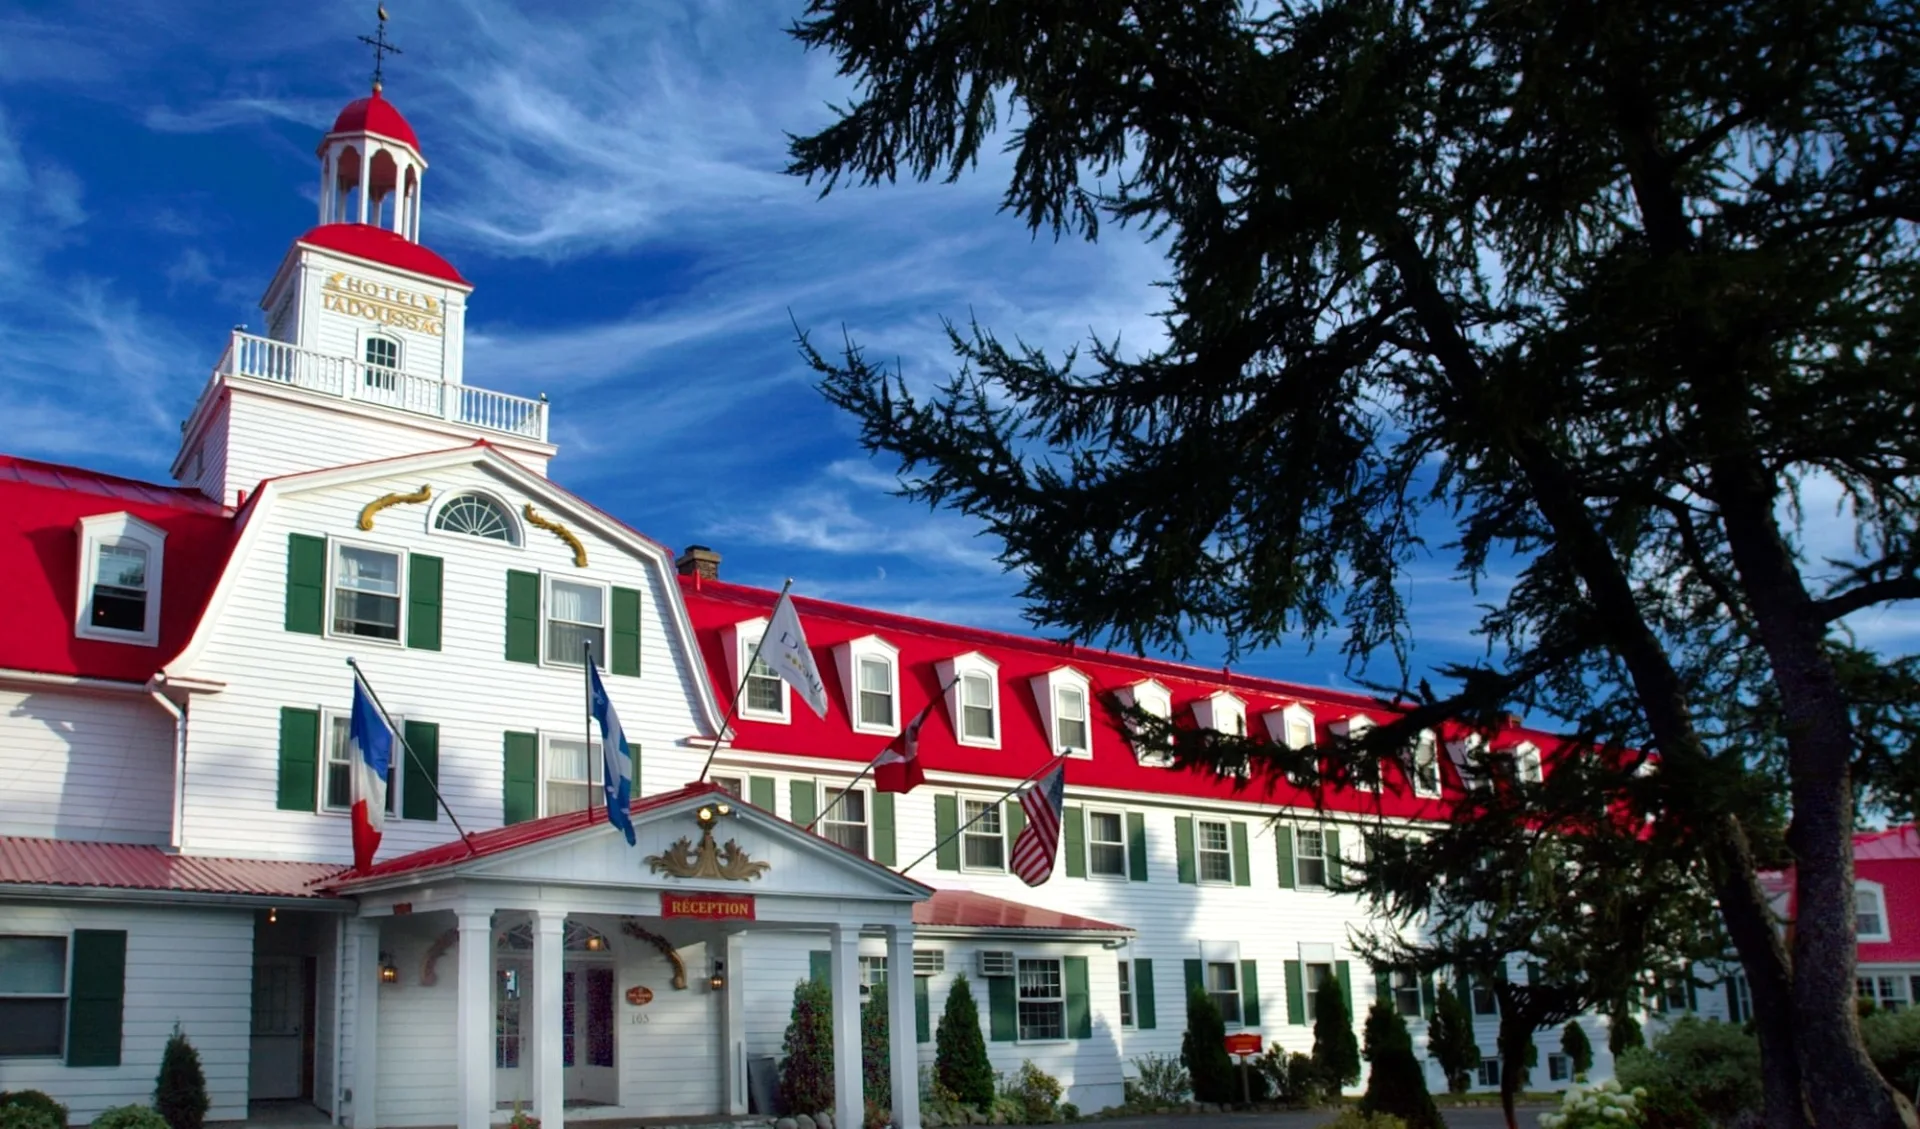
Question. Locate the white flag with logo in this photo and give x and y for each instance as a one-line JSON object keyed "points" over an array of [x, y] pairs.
{"points": [[784, 649]]}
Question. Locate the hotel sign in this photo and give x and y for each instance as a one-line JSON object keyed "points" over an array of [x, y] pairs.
{"points": [[711, 907], [388, 305]]}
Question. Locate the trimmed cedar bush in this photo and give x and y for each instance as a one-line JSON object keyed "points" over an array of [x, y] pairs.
{"points": [[1203, 1050], [30, 1109], [960, 1052], [129, 1117], [1396, 1085], [1577, 1047], [1623, 1033], [180, 1092], [876, 1060], [806, 1073], [1450, 1040], [1335, 1050]]}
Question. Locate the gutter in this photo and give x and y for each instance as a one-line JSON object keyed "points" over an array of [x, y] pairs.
{"points": [[119, 895], [72, 681], [177, 836], [1107, 938]]}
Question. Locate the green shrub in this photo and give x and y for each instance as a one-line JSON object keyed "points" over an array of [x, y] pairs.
{"points": [[876, 1059], [1204, 1050], [129, 1117], [1159, 1080], [28, 1117], [960, 1053], [33, 1102], [1069, 1112], [1450, 1040], [1605, 1106], [1396, 1085], [1038, 1094], [1714, 1067], [1893, 1042], [1335, 1050], [806, 1073], [180, 1090], [1623, 1033], [1352, 1117], [1294, 1078], [1577, 1047]]}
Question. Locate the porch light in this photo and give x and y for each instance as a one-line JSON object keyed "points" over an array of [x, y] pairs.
{"points": [[273, 915], [595, 942], [706, 816], [718, 980], [388, 973]]}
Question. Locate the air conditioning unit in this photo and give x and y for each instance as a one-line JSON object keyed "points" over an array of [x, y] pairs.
{"points": [[996, 963], [929, 962]]}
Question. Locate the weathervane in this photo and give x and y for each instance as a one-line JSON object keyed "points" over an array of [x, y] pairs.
{"points": [[381, 48]]}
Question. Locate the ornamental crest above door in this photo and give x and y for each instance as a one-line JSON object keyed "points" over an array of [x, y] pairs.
{"points": [[727, 861]]}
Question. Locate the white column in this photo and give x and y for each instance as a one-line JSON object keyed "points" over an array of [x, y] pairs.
{"points": [[364, 1080], [849, 1096], [419, 184], [904, 1052], [549, 1076], [473, 1032], [366, 181], [733, 1022]]}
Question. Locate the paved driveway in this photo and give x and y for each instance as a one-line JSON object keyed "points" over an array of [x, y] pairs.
{"points": [[1483, 1117]]}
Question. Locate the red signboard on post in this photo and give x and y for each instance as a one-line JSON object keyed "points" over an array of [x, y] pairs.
{"points": [[1243, 1044], [711, 907]]}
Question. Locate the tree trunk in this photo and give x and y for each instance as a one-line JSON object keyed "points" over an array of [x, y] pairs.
{"points": [[1763, 957]]}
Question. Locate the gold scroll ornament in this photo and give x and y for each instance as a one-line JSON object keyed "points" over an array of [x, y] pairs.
{"points": [[684, 860], [632, 929], [560, 531], [385, 500]]}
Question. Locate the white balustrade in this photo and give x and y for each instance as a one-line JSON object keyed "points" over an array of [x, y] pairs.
{"points": [[258, 358]]}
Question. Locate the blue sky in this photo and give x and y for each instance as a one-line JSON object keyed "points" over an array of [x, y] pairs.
{"points": [[611, 183]]}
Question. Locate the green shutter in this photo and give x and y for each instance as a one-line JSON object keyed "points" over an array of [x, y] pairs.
{"points": [[803, 801], [1428, 997], [423, 602], [922, 1011], [624, 648], [421, 771], [1331, 837], [1283, 851], [520, 794], [883, 852], [1196, 977], [1015, 818], [1733, 1000], [299, 758], [820, 966], [306, 583], [1382, 984], [1183, 848], [1145, 1015], [99, 987], [1003, 1018], [1079, 1005], [523, 616], [946, 825], [1249, 994], [1242, 869], [760, 792], [1073, 831], [1341, 973], [1136, 846], [1296, 994]]}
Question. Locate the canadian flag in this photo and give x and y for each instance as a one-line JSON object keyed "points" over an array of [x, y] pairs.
{"points": [[897, 768]]}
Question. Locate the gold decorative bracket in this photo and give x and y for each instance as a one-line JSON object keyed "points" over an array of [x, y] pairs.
{"points": [[632, 929], [435, 951], [684, 860], [385, 500], [560, 531]]}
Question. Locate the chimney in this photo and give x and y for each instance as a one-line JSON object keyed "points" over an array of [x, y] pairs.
{"points": [[699, 561]]}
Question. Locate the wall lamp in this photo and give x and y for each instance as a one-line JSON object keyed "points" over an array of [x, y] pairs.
{"points": [[710, 812], [718, 980], [389, 974]]}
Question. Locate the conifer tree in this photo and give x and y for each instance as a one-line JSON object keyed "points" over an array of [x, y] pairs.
{"points": [[806, 1073], [180, 1090], [1203, 1050], [1577, 1047], [1395, 1083], [876, 1054], [1450, 1040], [1335, 1050], [1623, 1033], [960, 1053]]}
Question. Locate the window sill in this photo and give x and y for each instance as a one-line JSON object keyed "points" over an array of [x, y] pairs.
{"points": [[1061, 1042], [373, 640], [977, 743], [998, 871], [115, 635], [765, 716], [1122, 877], [876, 730]]}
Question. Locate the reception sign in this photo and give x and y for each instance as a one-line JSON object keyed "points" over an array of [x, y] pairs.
{"points": [[710, 907]]}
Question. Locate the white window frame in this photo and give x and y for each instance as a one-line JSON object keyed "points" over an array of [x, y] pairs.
{"points": [[516, 535], [953, 674], [1879, 895], [1488, 1072], [596, 767], [1559, 1067], [1351, 727], [1309, 982], [1402, 980], [65, 994], [873, 970], [735, 786], [547, 581], [1742, 998], [1426, 751], [97, 531], [971, 831], [328, 719], [1464, 751], [1046, 693], [1222, 711], [743, 638], [1300, 858], [334, 545], [367, 367], [1149, 695], [1224, 954], [1129, 1016], [828, 794], [1199, 851], [1527, 765], [1059, 1001], [1888, 992], [1290, 726], [847, 657], [1126, 860]]}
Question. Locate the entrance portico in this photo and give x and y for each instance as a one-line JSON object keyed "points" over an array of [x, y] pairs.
{"points": [[550, 966]]}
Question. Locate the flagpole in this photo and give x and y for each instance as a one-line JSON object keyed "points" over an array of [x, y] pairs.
{"points": [[746, 672], [398, 735], [586, 674], [1018, 784], [920, 717]]}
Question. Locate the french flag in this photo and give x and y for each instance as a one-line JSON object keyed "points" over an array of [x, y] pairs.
{"points": [[370, 746]]}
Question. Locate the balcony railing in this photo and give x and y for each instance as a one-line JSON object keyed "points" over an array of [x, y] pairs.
{"points": [[280, 363]]}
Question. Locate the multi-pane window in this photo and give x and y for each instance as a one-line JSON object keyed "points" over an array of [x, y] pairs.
{"points": [[1043, 1005], [1214, 848], [1868, 918], [873, 973], [476, 515], [1426, 766], [1489, 1072], [1406, 992], [984, 842], [846, 821], [976, 707], [876, 692], [383, 356], [1070, 718], [728, 784], [338, 767], [573, 767], [1670, 995], [1526, 761], [1106, 844], [765, 691], [366, 592], [576, 620], [119, 587], [1559, 1068], [1223, 984], [1888, 992], [1741, 999], [1309, 857], [1484, 1002], [33, 996], [1126, 994], [1317, 977]]}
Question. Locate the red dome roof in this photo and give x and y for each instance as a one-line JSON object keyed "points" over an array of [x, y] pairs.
{"points": [[378, 245], [374, 114]]}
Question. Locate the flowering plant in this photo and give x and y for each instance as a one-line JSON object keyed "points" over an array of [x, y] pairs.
{"points": [[1605, 1106]]}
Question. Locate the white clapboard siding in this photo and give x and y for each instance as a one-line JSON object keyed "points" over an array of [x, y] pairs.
{"points": [[341, 333], [86, 765]]}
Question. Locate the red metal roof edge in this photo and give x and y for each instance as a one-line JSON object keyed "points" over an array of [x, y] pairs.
{"points": [[84, 480], [990, 912], [32, 861]]}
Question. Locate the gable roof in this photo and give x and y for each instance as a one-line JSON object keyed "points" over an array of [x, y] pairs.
{"points": [[41, 505]]}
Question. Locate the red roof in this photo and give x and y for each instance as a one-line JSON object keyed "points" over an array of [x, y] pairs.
{"points": [[374, 114], [127, 866], [378, 245], [41, 505], [1890, 859], [1024, 745], [963, 909]]}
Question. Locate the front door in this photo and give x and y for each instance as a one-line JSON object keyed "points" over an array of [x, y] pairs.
{"points": [[275, 1068], [587, 1033]]}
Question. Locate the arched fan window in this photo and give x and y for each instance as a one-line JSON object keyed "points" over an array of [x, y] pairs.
{"points": [[477, 515], [578, 939]]}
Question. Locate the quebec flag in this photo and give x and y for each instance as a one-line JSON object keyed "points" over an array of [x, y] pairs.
{"points": [[370, 749], [618, 770]]}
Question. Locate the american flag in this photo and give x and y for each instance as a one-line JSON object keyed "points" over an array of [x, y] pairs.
{"points": [[1033, 851]]}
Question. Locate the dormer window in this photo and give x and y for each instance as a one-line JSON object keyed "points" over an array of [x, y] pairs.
{"points": [[1468, 752], [1365, 778], [1064, 697], [119, 581], [1870, 913], [1150, 697], [870, 673], [973, 698], [1291, 727], [1426, 766], [1223, 713], [1526, 763], [763, 694]]}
